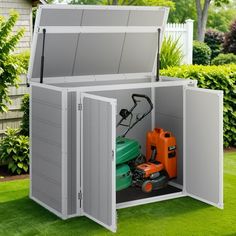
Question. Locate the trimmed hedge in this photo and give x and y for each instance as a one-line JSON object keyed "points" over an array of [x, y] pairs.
{"points": [[219, 78], [223, 59], [201, 53]]}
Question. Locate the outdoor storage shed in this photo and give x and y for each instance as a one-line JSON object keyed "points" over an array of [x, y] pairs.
{"points": [[95, 58]]}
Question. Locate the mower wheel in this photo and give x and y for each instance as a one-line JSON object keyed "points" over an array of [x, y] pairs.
{"points": [[147, 186]]}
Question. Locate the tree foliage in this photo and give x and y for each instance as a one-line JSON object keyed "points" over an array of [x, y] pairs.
{"points": [[10, 67], [184, 9], [202, 15], [220, 18]]}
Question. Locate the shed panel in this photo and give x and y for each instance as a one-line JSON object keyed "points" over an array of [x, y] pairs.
{"points": [[98, 163], [204, 145], [46, 155]]}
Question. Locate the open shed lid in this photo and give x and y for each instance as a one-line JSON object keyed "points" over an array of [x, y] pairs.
{"points": [[95, 40]]}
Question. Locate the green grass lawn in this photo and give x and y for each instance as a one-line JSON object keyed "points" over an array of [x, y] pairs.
{"points": [[184, 216]]}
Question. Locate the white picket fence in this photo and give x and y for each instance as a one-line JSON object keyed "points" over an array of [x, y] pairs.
{"points": [[183, 32]]}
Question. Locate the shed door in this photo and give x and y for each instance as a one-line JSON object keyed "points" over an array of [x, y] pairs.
{"points": [[98, 159], [204, 145]]}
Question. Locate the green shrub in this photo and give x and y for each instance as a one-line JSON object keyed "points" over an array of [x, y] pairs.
{"points": [[201, 53], [14, 150], [214, 39], [223, 59], [25, 119], [10, 69], [219, 78], [171, 54]]}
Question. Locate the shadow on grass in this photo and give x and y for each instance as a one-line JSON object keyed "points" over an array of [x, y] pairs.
{"points": [[25, 217]]}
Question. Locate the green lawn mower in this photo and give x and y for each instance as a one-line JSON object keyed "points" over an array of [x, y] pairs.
{"points": [[128, 151]]}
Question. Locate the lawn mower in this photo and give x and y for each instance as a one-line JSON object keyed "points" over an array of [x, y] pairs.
{"points": [[129, 150], [161, 164]]}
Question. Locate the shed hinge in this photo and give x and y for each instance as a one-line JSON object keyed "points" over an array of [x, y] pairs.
{"points": [[80, 106], [112, 154], [80, 195]]}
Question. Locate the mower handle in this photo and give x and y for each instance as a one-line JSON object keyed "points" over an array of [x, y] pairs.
{"points": [[135, 104], [145, 97]]}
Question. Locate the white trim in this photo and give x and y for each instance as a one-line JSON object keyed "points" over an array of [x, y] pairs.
{"points": [[80, 100], [113, 179], [128, 86], [33, 46], [218, 92], [57, 213], [101, 223], [149, 200], [64, 138], [218, 205], [97, 29], [101, 7], [100, 98], [87, 78], [73, 215], [113, 103], [79, 172], [30, 139], [221, 151], [176, 185], [47, 86], [184, 139]]}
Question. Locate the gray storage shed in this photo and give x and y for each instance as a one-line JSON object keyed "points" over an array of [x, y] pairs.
{"points": [[95, 58]]}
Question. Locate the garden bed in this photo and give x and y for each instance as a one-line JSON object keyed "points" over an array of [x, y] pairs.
{"points": [[6, 175]]}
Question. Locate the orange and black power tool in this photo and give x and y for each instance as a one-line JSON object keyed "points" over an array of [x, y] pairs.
{"points": [[161, 161]]}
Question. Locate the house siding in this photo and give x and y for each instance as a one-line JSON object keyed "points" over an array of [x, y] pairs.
{"points": [[24, 7]]}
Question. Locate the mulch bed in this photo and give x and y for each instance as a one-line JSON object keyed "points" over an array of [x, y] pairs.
{"points": [[5, 175], [230, 149]]}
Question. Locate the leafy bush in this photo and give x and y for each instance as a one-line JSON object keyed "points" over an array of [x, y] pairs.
{"points": [[214, 77], [214, 39], [14, 150], [230, 40], [222, 59], [10, 69], [171, 54], [22, 60], [201, 53], [25, 119]]}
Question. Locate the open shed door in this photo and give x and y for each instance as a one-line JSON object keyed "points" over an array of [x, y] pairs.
{"points": [[98, 159], [204, 145]]}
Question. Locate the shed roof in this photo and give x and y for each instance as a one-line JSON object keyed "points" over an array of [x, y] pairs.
{"points": [[96, 40]]}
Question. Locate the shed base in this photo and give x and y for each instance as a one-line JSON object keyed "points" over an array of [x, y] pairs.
{"points": [[133, 193]]}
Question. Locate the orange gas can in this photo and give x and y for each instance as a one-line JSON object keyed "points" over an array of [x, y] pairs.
{"points": [[165, 144]]}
